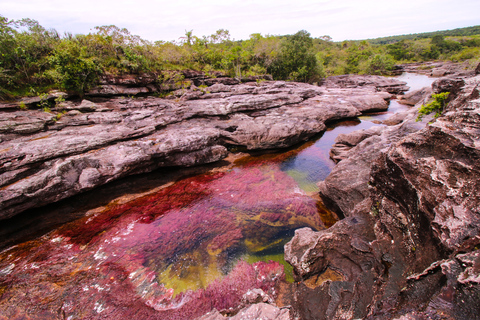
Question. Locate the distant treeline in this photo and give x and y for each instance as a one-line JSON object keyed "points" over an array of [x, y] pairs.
{"points": [[34, 60], [459, 32]]}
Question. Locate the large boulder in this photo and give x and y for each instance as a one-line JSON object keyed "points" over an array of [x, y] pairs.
{"points": [[408, 248], [413, 97], [346, 185]]}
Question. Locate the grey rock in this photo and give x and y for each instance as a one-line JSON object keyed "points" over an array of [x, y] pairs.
{"points": [[412, 98], [50, 96], [113, 90], [25, 121], [263, 311], [256, 296], [99, 140], [379, 83], [447, 85], [258, 311], [411, 234]]}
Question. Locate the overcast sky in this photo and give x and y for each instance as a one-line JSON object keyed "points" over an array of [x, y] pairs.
{"points": [[168, 20]]}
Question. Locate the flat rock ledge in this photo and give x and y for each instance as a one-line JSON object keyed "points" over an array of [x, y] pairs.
{"points": [[49, 156], [408, 247]]}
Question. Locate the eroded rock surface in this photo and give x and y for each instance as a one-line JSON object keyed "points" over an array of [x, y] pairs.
{"points": [[46, 157], [256, 311], [346, 185], [412, 98], [440, 68], [408, 248]]}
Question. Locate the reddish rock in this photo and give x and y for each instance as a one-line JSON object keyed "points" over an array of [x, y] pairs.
{"points": [[414, 97], [414, 254], [102, 140]]}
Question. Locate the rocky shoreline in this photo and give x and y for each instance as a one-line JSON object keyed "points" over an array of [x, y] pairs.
{"points": [[408, 247], [80, 145]]}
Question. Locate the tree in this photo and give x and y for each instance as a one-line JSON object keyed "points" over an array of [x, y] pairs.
{"points": [[380, 64], [296, 60], [188, 37], [74, 70], [400, 50], [24, 48]]}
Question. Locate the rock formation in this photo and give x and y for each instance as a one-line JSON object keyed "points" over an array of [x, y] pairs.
{"points": [[408, 247], [439, 68], [46, 157]]}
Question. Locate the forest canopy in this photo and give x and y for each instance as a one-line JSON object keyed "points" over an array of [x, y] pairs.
{"points": [[34, 59]]}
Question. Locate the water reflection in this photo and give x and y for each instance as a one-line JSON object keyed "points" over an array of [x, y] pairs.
{"points": [[416, 81], [313, 164]]}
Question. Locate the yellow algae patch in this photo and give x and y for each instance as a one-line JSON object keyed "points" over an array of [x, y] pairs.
{"points": [[328, 217], [258, 245], [190, 274], [302, 180], [318, 280]]}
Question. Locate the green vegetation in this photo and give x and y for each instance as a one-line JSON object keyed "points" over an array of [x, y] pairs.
{"points": [[34, 60], [437, 105], [460, 32], [296, 59]]}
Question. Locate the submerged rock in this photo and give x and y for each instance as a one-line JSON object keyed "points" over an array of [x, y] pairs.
{"points": [[408, 248], [256, 311], [48, 157]]}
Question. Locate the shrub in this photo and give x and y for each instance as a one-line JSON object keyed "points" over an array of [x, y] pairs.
{"points": [[74, 70], [296, 60], [437, 105], [380, 64]]}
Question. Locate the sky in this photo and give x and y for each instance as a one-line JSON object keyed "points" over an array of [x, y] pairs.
{"points": [[169, 20]]}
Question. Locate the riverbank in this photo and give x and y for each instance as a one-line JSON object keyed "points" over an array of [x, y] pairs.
{"points": [[123, 254], [266, 201], [49, 156], [408, 245]]}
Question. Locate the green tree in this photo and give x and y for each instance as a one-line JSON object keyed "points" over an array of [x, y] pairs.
{"points": [[296, 59], [74, 70], [24, 48], [400, 50], [380, 64]]}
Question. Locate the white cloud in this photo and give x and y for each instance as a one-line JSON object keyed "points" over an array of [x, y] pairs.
{"points": [[168, 20]]}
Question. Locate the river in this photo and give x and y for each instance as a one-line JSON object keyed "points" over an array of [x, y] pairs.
{"points": [[160, 246]]}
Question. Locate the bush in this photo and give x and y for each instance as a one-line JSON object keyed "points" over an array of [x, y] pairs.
{"points": [[296, 59], [437, 105], [380, 64], [465, 54], [73, 69]]}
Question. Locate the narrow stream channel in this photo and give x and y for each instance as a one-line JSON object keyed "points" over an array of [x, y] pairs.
{"points": [[184, 236]]}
